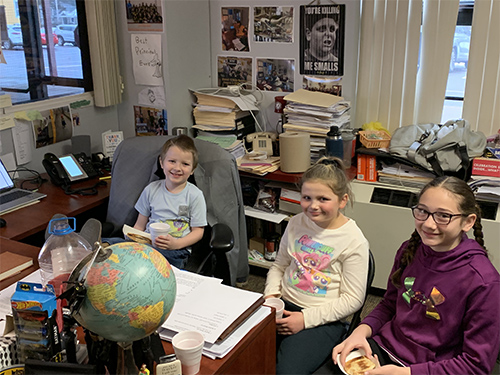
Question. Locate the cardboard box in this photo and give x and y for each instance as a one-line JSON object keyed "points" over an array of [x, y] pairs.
{"points": [[371, 168], [257, 243], [486, 167], [361, 168]]}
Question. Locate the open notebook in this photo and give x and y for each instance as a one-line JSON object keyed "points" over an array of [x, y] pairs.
{"points": [[12, 197]]}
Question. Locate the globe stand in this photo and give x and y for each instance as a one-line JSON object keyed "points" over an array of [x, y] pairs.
{"points": [[125, 362]]}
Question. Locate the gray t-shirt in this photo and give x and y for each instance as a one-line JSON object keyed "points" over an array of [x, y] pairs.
{"points": [[181, 211]]}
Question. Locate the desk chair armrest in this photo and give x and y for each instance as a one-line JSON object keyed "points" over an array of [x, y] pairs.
{"points": [[221, 239]]}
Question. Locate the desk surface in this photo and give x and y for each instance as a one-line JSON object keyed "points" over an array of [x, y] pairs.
{"points": [[33, 219], [254, 354]]}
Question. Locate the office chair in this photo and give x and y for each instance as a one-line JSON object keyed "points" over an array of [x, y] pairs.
{"points": [[135, 166], [328, 367]]}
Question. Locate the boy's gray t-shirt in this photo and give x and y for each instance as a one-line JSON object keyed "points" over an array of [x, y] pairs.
{"points": [[180, 211]]}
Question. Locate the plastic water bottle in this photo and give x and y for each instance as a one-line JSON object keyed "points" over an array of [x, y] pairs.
{"points": [[62, 251], [334, 143]]}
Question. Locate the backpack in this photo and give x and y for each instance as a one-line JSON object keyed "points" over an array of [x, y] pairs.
{"points": [[438, 148]]}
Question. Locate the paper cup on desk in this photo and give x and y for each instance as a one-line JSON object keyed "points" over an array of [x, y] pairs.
{"points": [[278, 304], [158, 229], [188, 346]]}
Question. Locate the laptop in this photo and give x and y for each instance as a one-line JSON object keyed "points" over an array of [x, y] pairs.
{"points": [[12, 197]]}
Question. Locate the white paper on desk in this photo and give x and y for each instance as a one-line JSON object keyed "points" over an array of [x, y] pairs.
{"points": [[210, 309], [273, 217], [219, 350], [187, 282]]}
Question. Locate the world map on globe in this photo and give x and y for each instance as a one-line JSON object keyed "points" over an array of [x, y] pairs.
{"points": [[129, 294]]}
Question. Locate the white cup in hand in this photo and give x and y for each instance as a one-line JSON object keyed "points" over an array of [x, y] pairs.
{"points": [[188, 347], [158, 229], [278, 304]]}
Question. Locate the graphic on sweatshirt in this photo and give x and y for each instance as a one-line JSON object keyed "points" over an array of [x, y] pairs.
{"points": [[430, 303], [311, 258]]}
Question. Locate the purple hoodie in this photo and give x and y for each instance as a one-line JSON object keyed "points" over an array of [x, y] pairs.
{"points": [[466, 339]]}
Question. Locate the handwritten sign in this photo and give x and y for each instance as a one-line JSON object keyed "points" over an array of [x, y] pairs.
{"points": [[147, 59]]}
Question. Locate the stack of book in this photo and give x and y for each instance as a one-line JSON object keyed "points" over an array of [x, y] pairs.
{"points": [[228, 142], [219, 113], [314, 113]]}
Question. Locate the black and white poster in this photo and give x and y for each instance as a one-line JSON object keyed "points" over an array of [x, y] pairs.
{"points": [[322, 35]]}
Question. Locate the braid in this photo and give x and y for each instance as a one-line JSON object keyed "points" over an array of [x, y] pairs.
{"points": [[406, 258], [478, 233]]}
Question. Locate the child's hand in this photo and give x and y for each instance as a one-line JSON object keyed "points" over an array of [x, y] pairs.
{"points": [[167, 242], [291, 323]]}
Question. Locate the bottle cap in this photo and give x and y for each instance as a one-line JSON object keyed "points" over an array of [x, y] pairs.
{"points": [[334, 130], [168, 358]]}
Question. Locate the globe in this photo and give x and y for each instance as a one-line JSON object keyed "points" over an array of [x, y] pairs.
{"points": [[130, 292]]}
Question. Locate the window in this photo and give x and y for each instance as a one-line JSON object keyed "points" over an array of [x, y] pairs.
{"points": [[41, 64], [455, 88]]}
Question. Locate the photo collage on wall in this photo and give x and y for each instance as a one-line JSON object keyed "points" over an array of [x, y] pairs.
{"points": [[320, 54], [145, 24]]}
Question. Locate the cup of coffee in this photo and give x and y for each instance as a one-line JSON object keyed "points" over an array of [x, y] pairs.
{"points": [[188, 347], [158, 229], [278, 305]]}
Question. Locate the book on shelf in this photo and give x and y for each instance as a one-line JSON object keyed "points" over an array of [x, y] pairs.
{"points": [[12, 263]]}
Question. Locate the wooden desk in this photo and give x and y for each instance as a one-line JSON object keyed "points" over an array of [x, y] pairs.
{"points": [[254, 354], [33, 219], [22, 249]]}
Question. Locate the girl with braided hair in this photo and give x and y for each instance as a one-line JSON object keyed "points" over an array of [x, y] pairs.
{"points": [[320, 271], [441, 311]]}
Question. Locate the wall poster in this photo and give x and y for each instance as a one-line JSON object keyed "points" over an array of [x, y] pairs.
{"points": [[275, 74], [322, 36], [273, 24], [235, 29], [328, 85], [144, 15], [233, 70]]}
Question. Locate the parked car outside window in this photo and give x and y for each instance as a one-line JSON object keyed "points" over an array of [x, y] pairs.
{"points": [[44, 40], [65, 34], [15, 37]]}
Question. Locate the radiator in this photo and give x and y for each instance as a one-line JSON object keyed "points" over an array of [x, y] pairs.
{"points": [[383, 213]]}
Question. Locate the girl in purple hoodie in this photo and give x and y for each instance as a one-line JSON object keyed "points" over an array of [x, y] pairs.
{"points": [[441, 311]]}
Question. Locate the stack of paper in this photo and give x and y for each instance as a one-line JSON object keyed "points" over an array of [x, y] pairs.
{"points": [[486, 188], [258, 167], [219, 111], [314, 113], [404, 175], [205, 305], [228, 142]]}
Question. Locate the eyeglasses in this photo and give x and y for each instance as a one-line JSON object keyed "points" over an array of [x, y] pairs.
{"points": [[440, 218]]}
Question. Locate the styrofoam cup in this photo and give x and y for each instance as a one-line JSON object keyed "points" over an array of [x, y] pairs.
{"points": [[158, 229], [188, 346], [278, 304]]}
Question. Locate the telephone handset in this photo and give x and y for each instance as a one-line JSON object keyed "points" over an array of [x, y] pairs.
{"points": [[69, 168], [262, 141]]}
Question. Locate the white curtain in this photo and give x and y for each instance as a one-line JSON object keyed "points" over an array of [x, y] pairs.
{"points": [[103, 45], [482, 88], [393, 86]]}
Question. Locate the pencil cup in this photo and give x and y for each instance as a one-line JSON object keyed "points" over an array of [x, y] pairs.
{"points": [[158, 229], [188, 346], [278, 304]]}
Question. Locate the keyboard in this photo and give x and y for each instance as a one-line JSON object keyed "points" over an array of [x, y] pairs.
{"points": [[14, 195]]}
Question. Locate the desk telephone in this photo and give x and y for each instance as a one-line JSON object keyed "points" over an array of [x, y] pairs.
{"points": [[262, 141], [68, 168]]}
